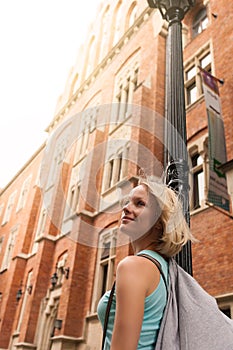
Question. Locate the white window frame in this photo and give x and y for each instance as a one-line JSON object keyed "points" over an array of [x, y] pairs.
{"points": [[115, 169], [88, 125], [133, 14], [200, 147], [124, 92], [200, 23], [9, 248], [194, 80], [25, 298], [40, 228], [24, 193], [106, 237], [9, 208], [73, 199]]}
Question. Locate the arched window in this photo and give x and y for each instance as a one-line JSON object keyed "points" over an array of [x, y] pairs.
{"points": [[105, 264], [198, 181], [116, 167], [200, 22], [90, 57], [74, 84], [199, 173], [118, 21], [132, 15], [104, 35]]}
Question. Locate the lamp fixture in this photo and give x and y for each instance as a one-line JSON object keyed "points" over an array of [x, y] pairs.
{"points": [[20, 291], [54, 280], [172, 10], [19, 294], [58, 272], [58, 324]]}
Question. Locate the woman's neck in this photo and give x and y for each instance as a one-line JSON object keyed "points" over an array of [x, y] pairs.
{"points": [[148, 241], [138, 246]]}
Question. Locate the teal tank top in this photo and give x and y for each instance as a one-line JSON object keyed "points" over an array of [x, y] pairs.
{"points": [[153, 310]]}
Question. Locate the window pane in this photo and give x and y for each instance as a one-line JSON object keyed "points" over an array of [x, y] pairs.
{"points": [[200, 22], [205, 23], [205, 60], [104, 280], [192, 94], [133, 16], [194, 160], [201, 187], [198, 181], [198, 189], [191, 73], [106, 251]]}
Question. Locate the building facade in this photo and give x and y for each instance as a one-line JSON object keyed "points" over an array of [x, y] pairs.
{"points": [[59, 243]]}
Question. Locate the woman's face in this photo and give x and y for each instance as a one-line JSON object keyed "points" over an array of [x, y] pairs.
{"points": [[140, 212]]}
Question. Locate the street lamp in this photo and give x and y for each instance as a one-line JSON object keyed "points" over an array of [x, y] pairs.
{"points": [[171, 9], [175, 127]]}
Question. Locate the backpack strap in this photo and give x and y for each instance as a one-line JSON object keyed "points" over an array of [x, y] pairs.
{"points": [[157, 263], [107, 314]]}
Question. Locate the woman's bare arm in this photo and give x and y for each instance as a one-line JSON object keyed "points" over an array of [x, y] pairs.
{"points": [[132, 283]]}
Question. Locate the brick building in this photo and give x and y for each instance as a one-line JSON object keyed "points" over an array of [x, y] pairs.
{"points": [[59, 245]]}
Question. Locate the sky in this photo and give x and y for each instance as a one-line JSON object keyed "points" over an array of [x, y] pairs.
{"points": [[39, 41]]}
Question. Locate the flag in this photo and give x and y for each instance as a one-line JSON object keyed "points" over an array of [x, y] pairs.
{"points": [[217, 187]]}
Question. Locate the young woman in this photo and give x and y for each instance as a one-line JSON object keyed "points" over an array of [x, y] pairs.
{"points": [[152, 217]]}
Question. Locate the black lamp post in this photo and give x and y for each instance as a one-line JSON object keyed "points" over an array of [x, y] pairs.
{"points": [[175, 131]]}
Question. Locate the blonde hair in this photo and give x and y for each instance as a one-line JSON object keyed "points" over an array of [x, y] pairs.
{"points": [[175, 230]]}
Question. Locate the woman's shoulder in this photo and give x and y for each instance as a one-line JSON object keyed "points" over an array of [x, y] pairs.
{"points": [[135, 265], [131, 262]]}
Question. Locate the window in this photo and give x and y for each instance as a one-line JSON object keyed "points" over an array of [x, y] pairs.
{"points": [[105, 35], [225, 304], [133, 14], [200, 22], [107, 259], [199, 172], [41, 223], [73, 200], [105, 264], [226, 311], [91, 57], [25, 298], [116, 168], [118, 23], [23, 194], [192, 77], [75, 84], [89, 121], [40, 228], [124, 95], [9, 248], [59, 146], [9, 208], [198, 181]]}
